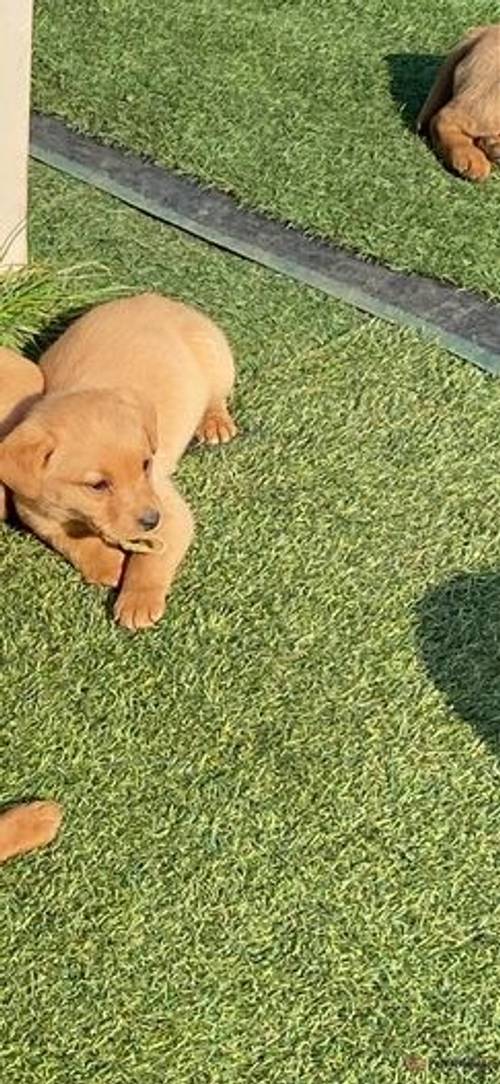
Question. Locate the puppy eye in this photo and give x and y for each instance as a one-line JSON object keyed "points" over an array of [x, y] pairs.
{"points": [[146, 465], [99, 486]]}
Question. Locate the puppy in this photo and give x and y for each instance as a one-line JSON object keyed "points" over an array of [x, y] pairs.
{"points": [[462, 111], [21, 384], [23, 827], [127, 387], [26, 827]]}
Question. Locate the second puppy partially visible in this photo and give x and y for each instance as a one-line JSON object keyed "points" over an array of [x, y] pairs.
{"points": [[21, 385], [127, 387], [462, 111]]}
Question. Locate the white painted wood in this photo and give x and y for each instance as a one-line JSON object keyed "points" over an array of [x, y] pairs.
{"points": [[15, 70]]}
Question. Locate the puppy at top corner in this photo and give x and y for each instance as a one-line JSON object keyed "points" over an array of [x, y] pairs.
{"points": [[127, 387], [461, 114]]}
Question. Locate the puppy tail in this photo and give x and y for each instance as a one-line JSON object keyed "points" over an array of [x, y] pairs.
{"points": [[442, 88], [25, 827]]}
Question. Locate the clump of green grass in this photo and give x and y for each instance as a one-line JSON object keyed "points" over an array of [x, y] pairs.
{"points": [[37, 302]]}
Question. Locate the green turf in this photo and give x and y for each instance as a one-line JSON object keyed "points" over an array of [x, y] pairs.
{"points": [[280, 856], [303, 109], [35, 303]]}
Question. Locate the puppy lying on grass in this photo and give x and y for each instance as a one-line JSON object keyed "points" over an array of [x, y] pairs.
{"points": [[462, 111], [127, 386]]}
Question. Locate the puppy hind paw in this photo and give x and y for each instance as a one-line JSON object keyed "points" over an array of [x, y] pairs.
{"points": [[471, 163], [490, 146], [217, 426]]}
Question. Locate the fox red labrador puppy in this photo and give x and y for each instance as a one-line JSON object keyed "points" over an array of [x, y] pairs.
{"points": [[127, 387], [462, 111]]}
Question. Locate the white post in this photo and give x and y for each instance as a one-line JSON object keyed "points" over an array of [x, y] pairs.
{"points": [[15, 70]]}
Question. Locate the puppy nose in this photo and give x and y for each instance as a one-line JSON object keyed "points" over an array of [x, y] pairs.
{"points": [[149, 519]]}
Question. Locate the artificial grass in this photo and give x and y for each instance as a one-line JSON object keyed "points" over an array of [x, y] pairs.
{"points": [[36, 302], [280, 856], [303, 110]]}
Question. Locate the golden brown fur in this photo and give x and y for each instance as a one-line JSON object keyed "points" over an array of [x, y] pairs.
{"points": [[127, 387], [26, 827], [21, 383], [462, 111]]}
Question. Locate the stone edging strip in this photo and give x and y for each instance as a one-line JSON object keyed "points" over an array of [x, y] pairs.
{"points": [[463, 322]]}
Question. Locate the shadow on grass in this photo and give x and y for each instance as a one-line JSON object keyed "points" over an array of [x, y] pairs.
{"points": [[458, 632], [40, 342], [412, 75]]}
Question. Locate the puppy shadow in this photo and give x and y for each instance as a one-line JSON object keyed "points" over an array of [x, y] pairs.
{"points": [[411, 78], [458, 638], [21, 799]]}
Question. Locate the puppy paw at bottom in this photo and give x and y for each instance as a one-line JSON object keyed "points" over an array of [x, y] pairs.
{"points": [[27, 827], [139, 608]]}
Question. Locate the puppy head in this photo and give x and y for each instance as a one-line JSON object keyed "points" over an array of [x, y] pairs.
{"points": [[84, 459]]}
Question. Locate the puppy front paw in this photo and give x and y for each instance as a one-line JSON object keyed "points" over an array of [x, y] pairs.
{"points": [[139, 608], [101, 565]]}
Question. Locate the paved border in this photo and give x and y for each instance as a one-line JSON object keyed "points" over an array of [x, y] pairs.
{"points": [[463, 322]]}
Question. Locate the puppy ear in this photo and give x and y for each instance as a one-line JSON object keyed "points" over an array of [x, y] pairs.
{"points": [[147, 411], [24, 455], [150, 422]]}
